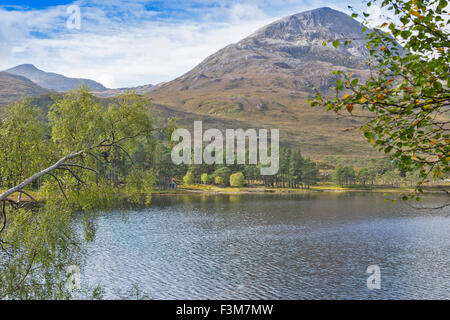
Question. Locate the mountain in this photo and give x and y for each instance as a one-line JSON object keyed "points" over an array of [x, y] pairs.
{"points": [[291, 48], [265, 79], [13, 87], [53, 81], [139, 90]]}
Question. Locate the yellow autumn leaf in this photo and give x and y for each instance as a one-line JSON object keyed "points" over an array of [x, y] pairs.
{"points": [[383, 25], [415, 13]]}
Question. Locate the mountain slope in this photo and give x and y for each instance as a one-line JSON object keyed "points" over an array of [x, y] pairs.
{"points": [[13, 87], [291, 48], [53, 81], [266, 78]]}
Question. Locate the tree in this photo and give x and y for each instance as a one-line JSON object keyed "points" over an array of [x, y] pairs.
{"points": [[310, 174], [251, 172], [24, 143], [363, 176], [73, 158], [237, 180], [344, 175], [205, 178], [139, 184], [296, 168], [405, 102], [223, 172], [188, 178]]}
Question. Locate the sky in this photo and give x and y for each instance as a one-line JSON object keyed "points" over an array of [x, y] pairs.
{"points": [[129, 43]]}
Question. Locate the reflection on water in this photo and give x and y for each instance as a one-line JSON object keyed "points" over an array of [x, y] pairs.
{"points": [[273, 247]]}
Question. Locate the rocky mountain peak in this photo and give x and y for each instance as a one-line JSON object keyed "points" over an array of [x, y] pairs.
{"points": [[291, 48], [313, 21]]}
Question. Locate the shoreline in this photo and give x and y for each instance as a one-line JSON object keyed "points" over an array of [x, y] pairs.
{"points": [[213, 190], [260, 190]]}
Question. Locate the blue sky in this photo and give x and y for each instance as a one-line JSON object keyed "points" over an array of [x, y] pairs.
{"points": [[129, 43]]}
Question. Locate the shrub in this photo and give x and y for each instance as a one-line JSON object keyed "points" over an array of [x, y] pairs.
{"points": [[237, 180], [224, 173], [188, 178], [205, 178]]}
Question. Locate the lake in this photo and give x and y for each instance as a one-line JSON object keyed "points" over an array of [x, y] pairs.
{"points": [[313, 246]]}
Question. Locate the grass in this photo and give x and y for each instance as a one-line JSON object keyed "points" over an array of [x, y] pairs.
{"points": [[325, 187], [318, 133]]}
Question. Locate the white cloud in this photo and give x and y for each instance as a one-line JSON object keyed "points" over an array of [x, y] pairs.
{"points": [[116, 54], [153, 53], [246, 11]]}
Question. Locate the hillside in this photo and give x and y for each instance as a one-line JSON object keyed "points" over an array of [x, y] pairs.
{"points": [[263, 81], [13, 87], [141, 90]]}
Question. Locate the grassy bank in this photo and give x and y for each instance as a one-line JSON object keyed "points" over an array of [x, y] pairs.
{"points": [[198, 188], [213, 189]]}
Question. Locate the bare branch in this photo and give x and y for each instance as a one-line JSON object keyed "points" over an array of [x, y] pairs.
{"points": [[59, 184]]}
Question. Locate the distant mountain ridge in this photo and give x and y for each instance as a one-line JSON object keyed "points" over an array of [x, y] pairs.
{"points": [[138, 90], [53, 81], [40, 82]]}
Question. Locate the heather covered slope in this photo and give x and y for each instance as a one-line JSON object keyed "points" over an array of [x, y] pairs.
{"points": [[13, 87]]}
